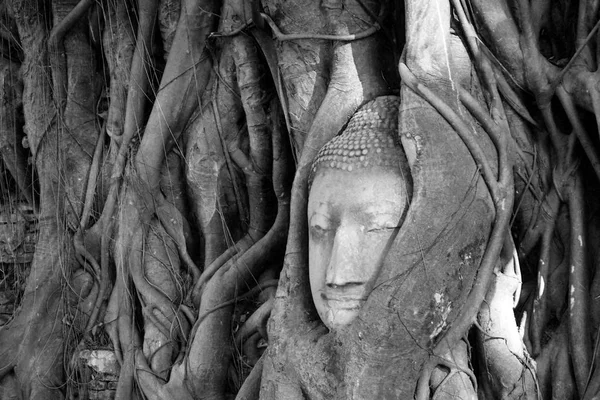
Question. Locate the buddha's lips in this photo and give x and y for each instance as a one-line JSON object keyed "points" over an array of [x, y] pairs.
{"points": [[343, 301]]}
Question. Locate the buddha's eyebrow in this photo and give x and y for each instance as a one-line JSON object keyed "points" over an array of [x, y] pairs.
{"points": [[375, 208]]}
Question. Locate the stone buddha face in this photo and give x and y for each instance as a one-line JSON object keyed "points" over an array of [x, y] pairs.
{"points": [[360, 190]]}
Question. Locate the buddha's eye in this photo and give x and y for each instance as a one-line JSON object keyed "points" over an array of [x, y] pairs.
{"points": [[382, 223], [320, 225]]}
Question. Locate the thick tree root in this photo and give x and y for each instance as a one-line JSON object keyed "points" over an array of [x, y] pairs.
{"points": [[57, 51]]}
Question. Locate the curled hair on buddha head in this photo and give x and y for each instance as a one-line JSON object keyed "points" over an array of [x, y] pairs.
{"points": [[369, 140]]}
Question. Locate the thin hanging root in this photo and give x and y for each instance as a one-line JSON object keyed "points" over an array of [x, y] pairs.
{"points": [[172, 221], [579, 318]]}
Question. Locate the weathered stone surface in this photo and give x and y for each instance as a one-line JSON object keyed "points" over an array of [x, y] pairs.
{"points": [[102, 395], [101, 362], [7, 306], [103, 369], [18, 234]]}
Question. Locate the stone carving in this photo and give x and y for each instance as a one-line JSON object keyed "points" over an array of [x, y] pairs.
{"points": [[101, 372], [360, 189]]}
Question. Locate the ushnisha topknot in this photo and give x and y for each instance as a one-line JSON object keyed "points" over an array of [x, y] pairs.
{"points": [[369, 140]]}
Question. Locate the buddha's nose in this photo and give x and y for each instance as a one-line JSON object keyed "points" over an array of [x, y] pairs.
{"points": [[344, 265]]}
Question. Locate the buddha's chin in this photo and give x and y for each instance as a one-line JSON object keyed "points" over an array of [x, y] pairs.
{"points": [[341, 313]]}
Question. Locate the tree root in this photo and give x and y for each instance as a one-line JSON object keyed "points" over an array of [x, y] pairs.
{"points": [[252, 292], [155, 388], [459, 125], [118, 44], [502, 193], [172, 221], [81, 253], [504, 366], [299, 36], [210, 174], [232, 252], [129, 341], [456, 363], [256, 323], [135, 103], [579, 130], [155, 298], [554, 368], [111, 317], [539, 313], [257, 167], [92, 181], [212, 326], [579, 331], [56, 51], [187, 72], [250, 390], [581, 47], [255, 101]]}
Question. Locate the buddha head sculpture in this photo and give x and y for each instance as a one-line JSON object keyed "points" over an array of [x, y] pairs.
{"points": [[359, 190]]}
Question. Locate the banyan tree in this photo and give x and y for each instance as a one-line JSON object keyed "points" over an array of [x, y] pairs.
{"points": [[332, 199]]}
